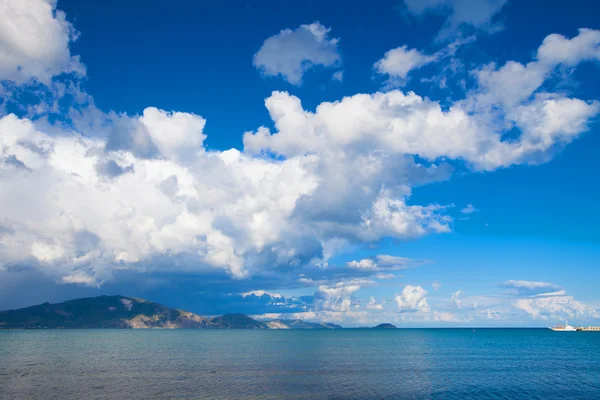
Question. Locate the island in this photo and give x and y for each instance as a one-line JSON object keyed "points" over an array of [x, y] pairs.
{"points": [[385, 326]]}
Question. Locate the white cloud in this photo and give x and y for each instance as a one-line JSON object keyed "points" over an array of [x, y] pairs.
{"points": [[159, 207], [364, 264], [177, 135], [34, 41], [557, 306], [398, 62], [260, 293], [381, 262], [461, 13], [338, 298], [396, 123], [80, 278], [412, 299], [290, 53], [144, 187], [436, 285], [512, 85], [339, 304], [557, 49], [373, 305], [469, 209], [544, 300], [459, 301]]}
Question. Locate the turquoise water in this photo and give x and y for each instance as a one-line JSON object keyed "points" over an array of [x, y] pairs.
{"points": [[343, 364]]}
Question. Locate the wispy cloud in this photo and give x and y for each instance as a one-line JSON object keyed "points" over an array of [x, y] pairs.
{"points": [[530, 287], [461, 15]]}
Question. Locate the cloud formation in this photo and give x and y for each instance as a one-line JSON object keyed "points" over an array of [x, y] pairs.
{"points": [[469, 209], [530, 287], [412, 299], [100, 194], [142, 187], [398, 62], [291, 53], [34, 42], [338, 298], [555, 306], [460, 14], [381, 262], [395, 123]]}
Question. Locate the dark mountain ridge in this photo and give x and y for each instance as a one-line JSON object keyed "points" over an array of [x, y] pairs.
{"points": [[122, 312], [102, 312]]}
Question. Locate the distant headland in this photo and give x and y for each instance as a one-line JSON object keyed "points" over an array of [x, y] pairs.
{"points": [[120, 312]]}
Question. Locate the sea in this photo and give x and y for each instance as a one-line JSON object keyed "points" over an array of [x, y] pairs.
{"points": [[300, 364]]}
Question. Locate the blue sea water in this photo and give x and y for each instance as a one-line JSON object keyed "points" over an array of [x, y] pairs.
{"points": [[296, 364]]}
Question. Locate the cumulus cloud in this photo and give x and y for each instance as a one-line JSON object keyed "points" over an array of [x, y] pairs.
{"points": [[159, 207], [111, 193], [290, 53], [460, 13], [412, 299], [177, 135], [557, 49], [34, 41], [373, 305], [398, 62], [473, 129], [337, 298]]}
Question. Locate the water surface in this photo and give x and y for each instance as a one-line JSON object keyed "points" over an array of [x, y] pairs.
{"points": [[340, 364]]}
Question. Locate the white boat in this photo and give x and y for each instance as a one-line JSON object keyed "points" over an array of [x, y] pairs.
{"points": [[565, 328]]}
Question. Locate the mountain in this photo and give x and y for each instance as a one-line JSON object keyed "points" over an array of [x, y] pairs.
{"points": [[299, 324], [129, 312], [102, 312], [237, 321], [385, 326]]}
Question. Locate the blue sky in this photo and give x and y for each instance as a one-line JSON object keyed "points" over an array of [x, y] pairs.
{"points": [[427, 163]]}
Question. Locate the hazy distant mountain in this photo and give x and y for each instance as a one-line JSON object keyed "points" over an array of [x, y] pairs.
{"points": [[129, 312], [385, 326], [102, 312], [237, 321], [299, 324]]}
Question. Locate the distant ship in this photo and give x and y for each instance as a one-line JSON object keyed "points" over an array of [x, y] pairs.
{"points": [[565, 328]]}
